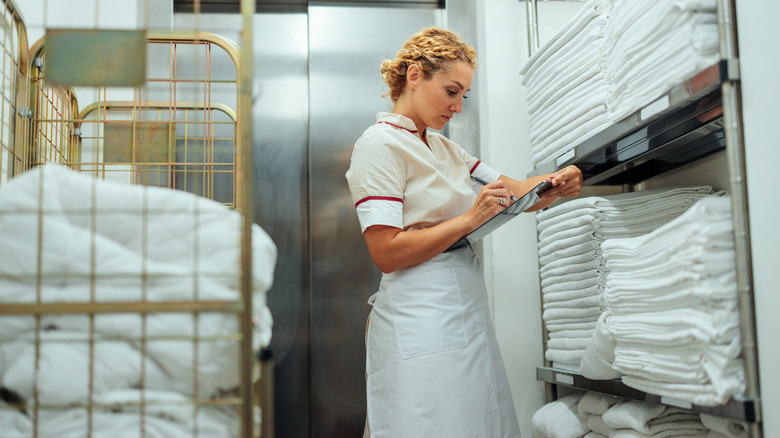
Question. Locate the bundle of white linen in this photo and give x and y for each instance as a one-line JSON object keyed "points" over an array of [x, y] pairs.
{"points": [[652, 46], [560, 419], [118, 414], [672, 296], [631, 418], [73, 238], [566, 90], [572, 267]]}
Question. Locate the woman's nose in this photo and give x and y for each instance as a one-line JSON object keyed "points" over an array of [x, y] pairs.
{"points": [[458, 106]]}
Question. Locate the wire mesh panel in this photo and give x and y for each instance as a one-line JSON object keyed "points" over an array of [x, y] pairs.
{"points": [[13, 116], [125, 304], [178, 131]]}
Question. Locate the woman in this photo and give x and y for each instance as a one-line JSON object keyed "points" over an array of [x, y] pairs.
{"points": [[433, 366]]}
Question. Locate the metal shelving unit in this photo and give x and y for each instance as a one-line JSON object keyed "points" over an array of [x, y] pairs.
{"points": [[682, 126], [699, 117], [742, 410]]}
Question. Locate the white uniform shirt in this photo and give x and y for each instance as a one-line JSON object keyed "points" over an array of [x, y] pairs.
{"points": [[397, 180]]}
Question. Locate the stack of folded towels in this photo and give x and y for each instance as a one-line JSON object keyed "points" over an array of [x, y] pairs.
{"points": [[572, 266], [593, 415], [652, 46], [610, 60], [566, 89], [673, 319], [635, 419]]}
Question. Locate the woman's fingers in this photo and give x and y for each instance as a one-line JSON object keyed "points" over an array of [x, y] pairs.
{"points": [[566, 182]]}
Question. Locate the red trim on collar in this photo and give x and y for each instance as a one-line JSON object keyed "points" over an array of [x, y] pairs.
{"points": [[475, 167], [379, 198], [399, 127]]}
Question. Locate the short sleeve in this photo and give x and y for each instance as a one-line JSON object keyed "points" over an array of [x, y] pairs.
{"points": [[377, 180]]}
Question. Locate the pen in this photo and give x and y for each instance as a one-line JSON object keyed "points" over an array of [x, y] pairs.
{"points": [[484, 183]]}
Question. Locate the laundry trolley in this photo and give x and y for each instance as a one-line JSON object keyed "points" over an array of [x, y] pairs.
{"points": [[132, 279]]}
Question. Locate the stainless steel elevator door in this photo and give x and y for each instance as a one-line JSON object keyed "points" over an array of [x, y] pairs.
{"points": [[346, 47], [280, 149]]}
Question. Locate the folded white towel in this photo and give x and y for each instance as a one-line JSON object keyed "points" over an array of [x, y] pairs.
{"points": [[571, 314], [558, 334], [668, 433], [588, 246], [591, 300], [562, 272], [632, 414], [700, 394], [559, 419], [599, 356], [568, 343], [573, 276], [573, 293], [563, 262], [596, 424], [595, 404], [725, 426], [584, 284], [588, 323], [565, 238], [569, 357]]}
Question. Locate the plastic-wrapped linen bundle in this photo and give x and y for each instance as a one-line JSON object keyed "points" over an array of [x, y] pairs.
{"points": [[566, 90], [672, 296], [651, 46], [572, 267]]}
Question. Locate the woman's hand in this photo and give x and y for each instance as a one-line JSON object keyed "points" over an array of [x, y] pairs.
{"points": [[492, 198], [565, 182]]}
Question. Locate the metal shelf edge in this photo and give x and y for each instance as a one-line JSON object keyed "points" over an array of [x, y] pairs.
{"points": [[698, 86], [741, 410]]}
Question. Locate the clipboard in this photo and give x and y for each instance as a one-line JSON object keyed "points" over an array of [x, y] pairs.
{"points": [[506, 215]]}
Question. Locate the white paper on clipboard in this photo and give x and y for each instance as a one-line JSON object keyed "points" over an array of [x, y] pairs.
{"points": [[506, 215]]}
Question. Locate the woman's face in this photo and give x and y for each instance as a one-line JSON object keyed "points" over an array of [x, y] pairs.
{"points": [[441, 96]]}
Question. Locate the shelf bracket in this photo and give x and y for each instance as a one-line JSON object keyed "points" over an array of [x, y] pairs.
{"points": [[729, 69]]}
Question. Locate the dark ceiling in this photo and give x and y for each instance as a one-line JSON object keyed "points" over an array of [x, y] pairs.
{"points": [[233, 6]]}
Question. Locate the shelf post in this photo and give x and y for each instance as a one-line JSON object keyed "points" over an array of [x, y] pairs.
{"points": [[735, 149], [532, 18]]}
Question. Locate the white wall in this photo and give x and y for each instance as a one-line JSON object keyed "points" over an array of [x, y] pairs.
{"points": [[513, 264], [760, 70]]}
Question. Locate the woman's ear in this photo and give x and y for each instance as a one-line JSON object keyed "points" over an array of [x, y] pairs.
{"points": [[413, 76]]}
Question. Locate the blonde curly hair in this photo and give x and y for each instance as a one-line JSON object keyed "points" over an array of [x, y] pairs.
{"points": [[432, 49]]}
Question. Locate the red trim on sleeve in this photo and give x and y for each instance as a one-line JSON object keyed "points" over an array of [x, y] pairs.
{"points": [[475, 167], [379, 198], [396, 126]]}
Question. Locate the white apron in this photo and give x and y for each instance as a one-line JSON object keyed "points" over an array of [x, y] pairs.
{"points": [[433, 365]]}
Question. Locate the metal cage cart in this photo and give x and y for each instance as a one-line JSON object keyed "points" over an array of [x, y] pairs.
{"points": [[128, 305]]}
